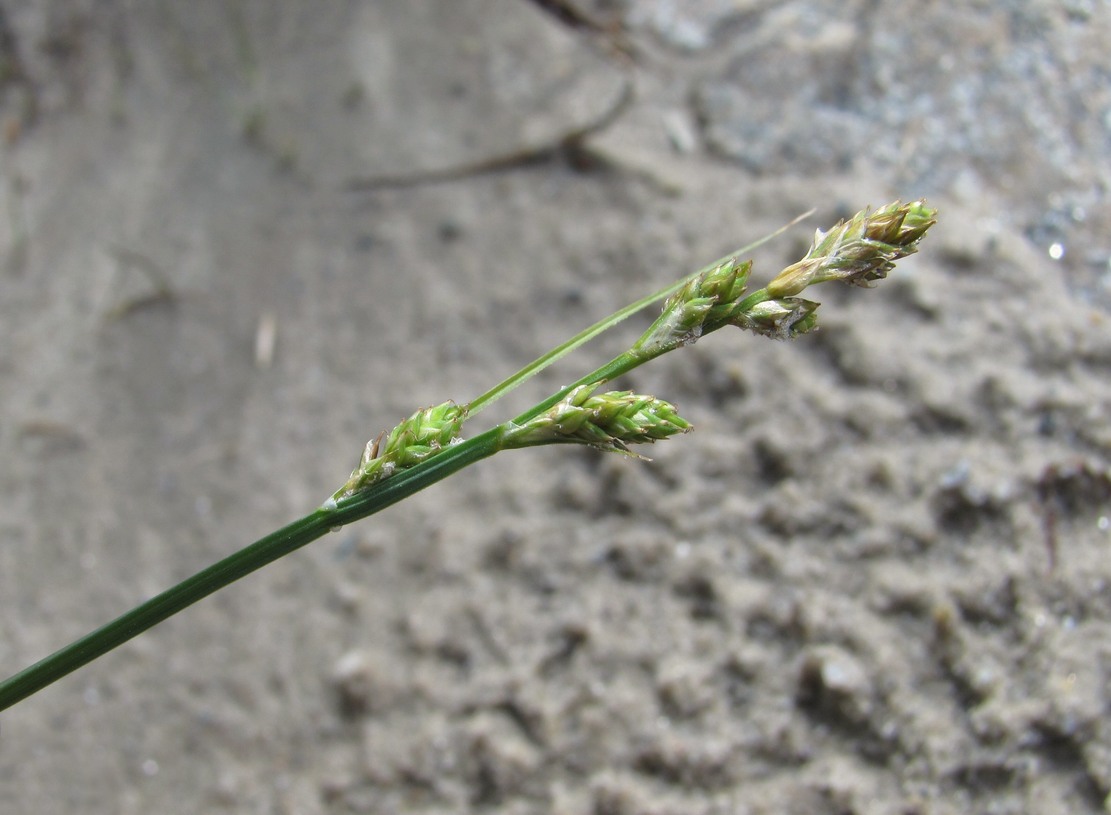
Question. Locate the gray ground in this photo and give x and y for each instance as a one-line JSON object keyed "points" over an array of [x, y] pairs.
{"points": [[875, 580]]}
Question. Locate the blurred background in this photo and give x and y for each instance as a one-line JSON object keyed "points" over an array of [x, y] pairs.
{"points": [[239, 238]]}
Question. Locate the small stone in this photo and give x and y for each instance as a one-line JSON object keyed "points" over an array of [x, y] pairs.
{"points": [[835, 683], [362, 684], [683, 690], [689, 762]]}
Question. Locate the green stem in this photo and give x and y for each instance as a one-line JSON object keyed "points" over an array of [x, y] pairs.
{"points": [[754, 299], [258, 554], [338, 513]]}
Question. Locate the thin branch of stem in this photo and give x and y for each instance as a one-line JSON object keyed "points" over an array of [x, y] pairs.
{"points": [[605, 324]]}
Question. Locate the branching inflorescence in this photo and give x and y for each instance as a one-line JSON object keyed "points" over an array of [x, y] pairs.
{"points": [[859, 252], [428, 446]]}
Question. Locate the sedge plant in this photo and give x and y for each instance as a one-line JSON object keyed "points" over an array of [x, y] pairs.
{"points": [[429, 446]]}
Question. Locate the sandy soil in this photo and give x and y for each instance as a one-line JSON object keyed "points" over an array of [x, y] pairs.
{"points": [[240, 238]]}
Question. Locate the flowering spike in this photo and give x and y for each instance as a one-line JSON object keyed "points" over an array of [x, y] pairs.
{"points": [[703, 305], [781, 319], [609, 421], [859, 251], [421, 436]]}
